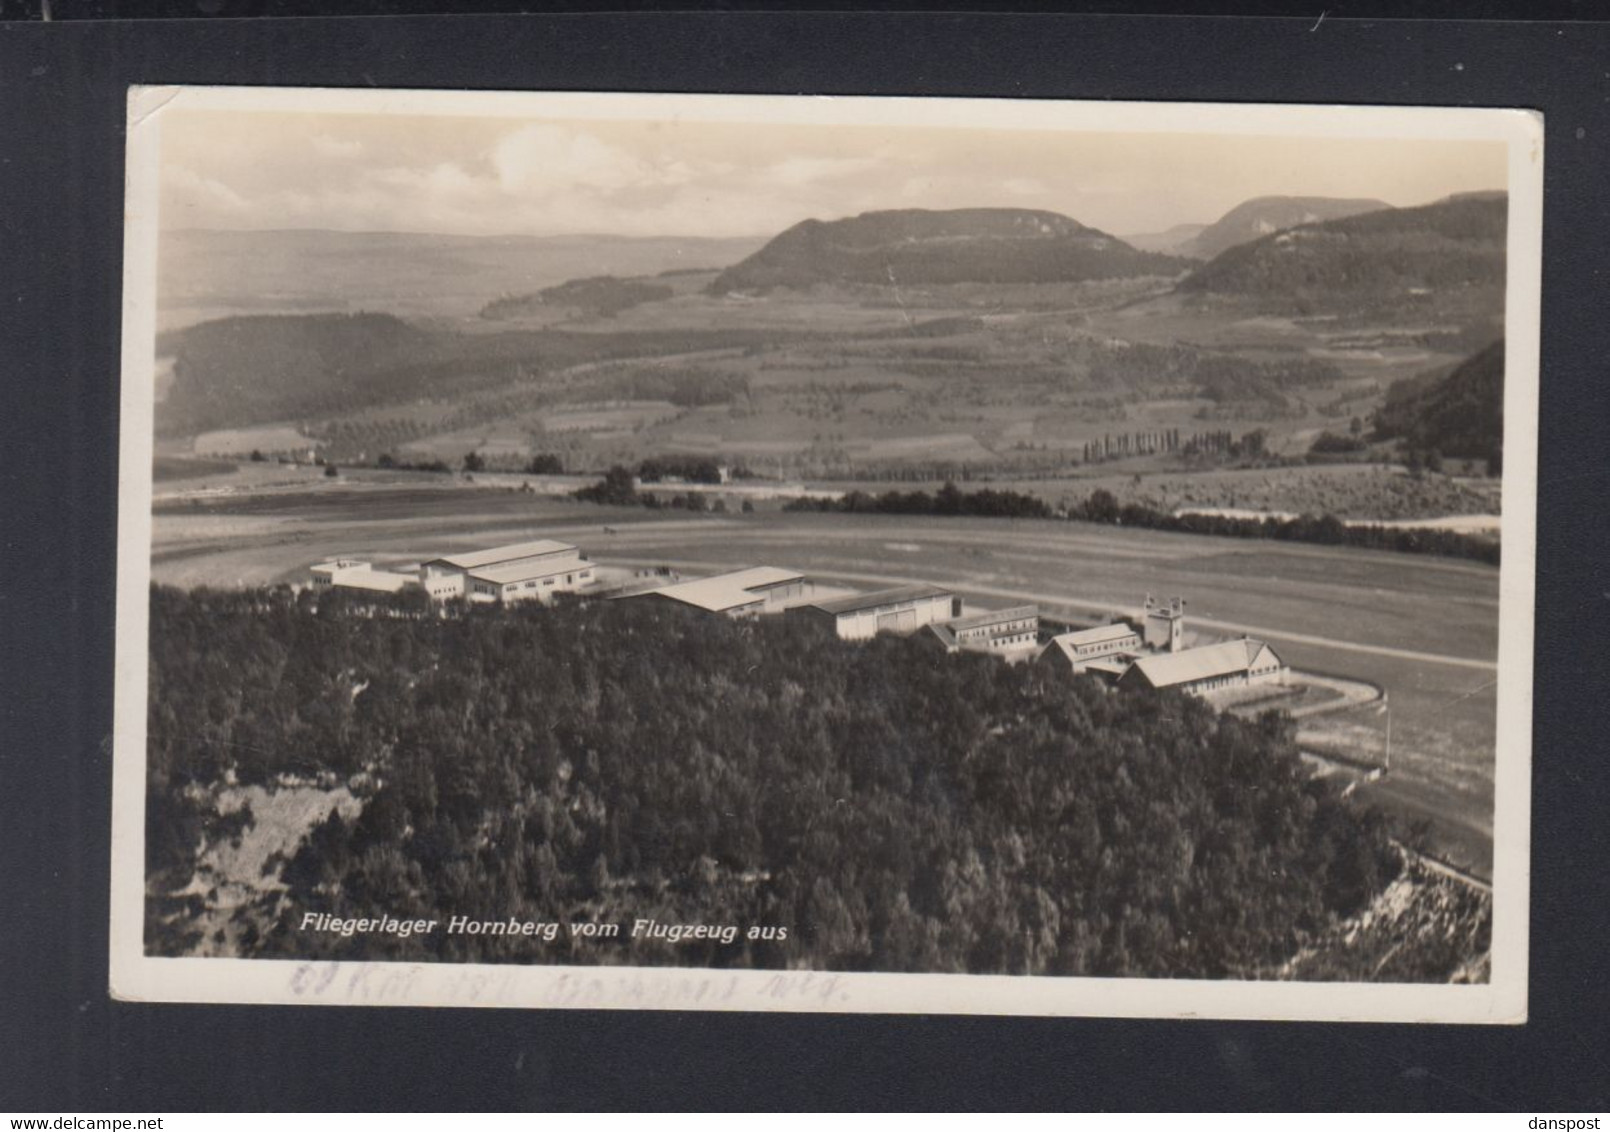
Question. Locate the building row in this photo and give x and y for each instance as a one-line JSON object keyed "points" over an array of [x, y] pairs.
{"points": [[1153, 653], [1156, 655], [522, 571]]}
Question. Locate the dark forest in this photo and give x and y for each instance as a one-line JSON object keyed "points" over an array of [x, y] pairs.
{"points": [[894, 809]]}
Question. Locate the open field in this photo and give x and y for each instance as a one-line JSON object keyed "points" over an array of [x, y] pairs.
{"points": [[1424, 629], [849, 381]]}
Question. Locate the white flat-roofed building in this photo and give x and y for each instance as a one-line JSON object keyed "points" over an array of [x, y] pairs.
{"points": [[1011, 632], [325, 573], [1080, 649], [738, 593], [1229, 664], [449, 575], [358, 574], [900, 609]]}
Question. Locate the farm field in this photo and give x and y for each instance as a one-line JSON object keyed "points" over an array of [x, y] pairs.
{"points": [[847, 381], [1423, 628]]}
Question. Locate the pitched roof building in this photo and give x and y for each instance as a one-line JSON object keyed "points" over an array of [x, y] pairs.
{"points": [[535, 569], [1013, 630], [1224, 665], [513, 552], [738, 593], [1081, 649]]}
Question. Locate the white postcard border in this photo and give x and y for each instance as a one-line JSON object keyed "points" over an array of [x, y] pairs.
{"points": [[135, 976]]}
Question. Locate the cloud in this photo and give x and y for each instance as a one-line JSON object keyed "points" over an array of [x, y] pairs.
{"points": [[668, 176], [800, 172], [200, 199], [554, 158], [1026, 187], [327, 146]]}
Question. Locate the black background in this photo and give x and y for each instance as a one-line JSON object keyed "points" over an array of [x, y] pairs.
{"points": [[65, 1046]]}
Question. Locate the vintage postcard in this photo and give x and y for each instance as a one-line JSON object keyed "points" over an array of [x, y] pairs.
{"points": [[826, 554]]}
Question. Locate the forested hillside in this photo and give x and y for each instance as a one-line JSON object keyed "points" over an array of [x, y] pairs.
{"points": [[909, 247], [1460, 413], [1262, 215], [614, 761], [597, 296], [254, 370], [1401, 257]]}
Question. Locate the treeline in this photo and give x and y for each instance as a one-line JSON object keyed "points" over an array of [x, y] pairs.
{"points": [[948, 500], [619, 760], [600, 295], [1103, 507], [687, 387], [693, 469], [1326, 530], [618, 488], [1217, 443]]}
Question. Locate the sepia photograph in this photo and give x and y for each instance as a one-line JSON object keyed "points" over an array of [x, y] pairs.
{"points": [[826, 554]]}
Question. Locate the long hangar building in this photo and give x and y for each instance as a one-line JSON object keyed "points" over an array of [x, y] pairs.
{"points": [[738, 593], [900, 609], [521, 571]]}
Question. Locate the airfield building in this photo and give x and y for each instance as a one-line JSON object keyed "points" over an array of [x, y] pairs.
{"points": [[358, 574], [518, 572], [902, 609], [737, 594], [1229, 664], [1165, 624], [1100, 649], [1013, 632]]}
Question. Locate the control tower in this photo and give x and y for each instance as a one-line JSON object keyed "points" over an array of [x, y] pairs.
{"points": [[1165, 624]]}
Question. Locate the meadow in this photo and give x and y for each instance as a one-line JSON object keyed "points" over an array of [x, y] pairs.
{"points": [[840, 383]]}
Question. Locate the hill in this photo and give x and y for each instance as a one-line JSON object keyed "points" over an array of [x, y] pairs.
{"points": [[917, 246], [596, 296], [1392, 260], [1460, 413], [1170, 241], [234, 372], [237, 371], [1261, 216]]}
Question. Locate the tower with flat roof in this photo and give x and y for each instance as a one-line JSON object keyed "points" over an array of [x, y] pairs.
{"points": [[1164, 630]]}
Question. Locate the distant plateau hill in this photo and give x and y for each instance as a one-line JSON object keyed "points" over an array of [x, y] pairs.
{"points": [[1261, 216], [917, 247], [1391, 259], [1170, 241]]}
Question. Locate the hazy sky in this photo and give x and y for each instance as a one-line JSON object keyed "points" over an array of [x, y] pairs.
{"points": [[358, 172]]}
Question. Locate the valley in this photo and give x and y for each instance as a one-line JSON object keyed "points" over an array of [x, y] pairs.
{"points": [[926, 374]]}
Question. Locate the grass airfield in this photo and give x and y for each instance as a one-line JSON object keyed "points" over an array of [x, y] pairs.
{"points": [[1424, 628]]}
